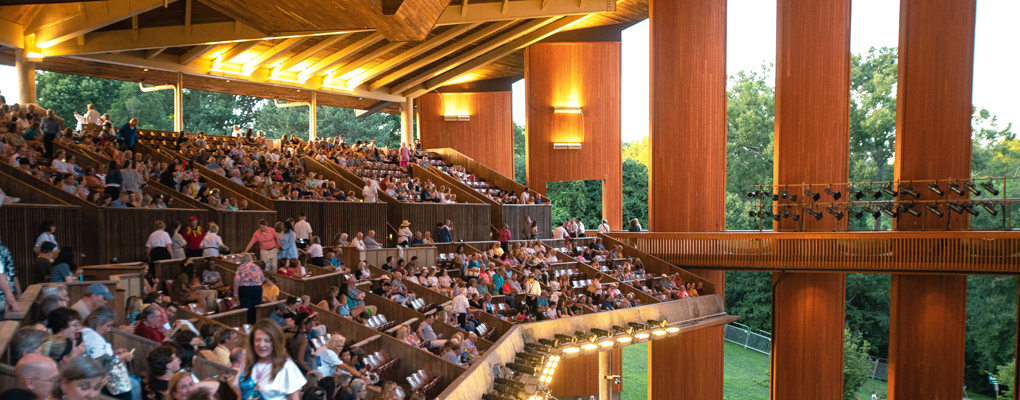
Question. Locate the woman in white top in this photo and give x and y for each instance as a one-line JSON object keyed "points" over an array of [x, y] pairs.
{"points": [[327, 358], [315, 252], [48, 229], [604, 226], [159, 244], [177, 241], [266, 367], [212, 243], [404, 234]]}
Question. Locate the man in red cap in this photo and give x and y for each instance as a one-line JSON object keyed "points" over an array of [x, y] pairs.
{"points": [[193, 234]]}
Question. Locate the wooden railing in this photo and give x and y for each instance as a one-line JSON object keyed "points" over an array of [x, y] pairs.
{"points": [[931, 252], [656, 265]]}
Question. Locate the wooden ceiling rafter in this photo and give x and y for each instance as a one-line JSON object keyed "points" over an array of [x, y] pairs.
{"points": [[234, 52], [521, 9], [304, 55], [151, 53], [467, 65], [394, 61], [472, 54], [60, 23], [355, 64], [195, 53], [267, 57], [438, 54], [337, 57]]}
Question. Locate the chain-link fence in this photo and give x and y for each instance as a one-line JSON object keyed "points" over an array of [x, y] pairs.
{"points": [[879, 368], [741, 334]]}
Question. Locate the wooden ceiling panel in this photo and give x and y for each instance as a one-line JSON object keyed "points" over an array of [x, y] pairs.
{"points": [[20, 15], [172, 15]]}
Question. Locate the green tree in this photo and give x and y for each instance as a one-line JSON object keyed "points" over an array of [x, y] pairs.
{"points": [[216, 113], [750, 126], [154, 110], [65, 94], [991, 328], [1006, 375], [867, 309], [856, 366], [635, 191], [576, 199], [278, 121], [520, 156], [872, 113], [749, 295], [995, 154], [381, 127]]}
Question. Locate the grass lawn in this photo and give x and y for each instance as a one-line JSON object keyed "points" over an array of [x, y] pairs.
{"points": [[745, 376]]}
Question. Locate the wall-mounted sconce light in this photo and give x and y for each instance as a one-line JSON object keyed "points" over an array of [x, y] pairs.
{"points": [[566, 146], [567, 109], [456, 118]]}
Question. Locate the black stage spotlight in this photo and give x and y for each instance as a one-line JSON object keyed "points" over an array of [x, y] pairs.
{"points": [[566, 339], [601, 332], [990, 187], [524, 369], [753, 194], [626, 331], [834, 212], [875, 213], [637, 326], [857, 214], [955, 187], [934, 187], [504, 389], [490, 396], [787, 214], [783, 193], [774, 216], [989, 207], [550, 343], [934, 209], [888, 189], [511, 383], [812, 195], [584, 337], [969, 208], [955, 207], [973, 189], [655, 323], [540, 348], [766, 193], [909, 209], [872, 193], [531, 357], [835, 195], [754, 214], [818, 216], [889, 210], [857, 193], [908, 189]]}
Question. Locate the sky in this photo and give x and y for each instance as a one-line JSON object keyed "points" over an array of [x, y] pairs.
{"points": [[751, 40]]}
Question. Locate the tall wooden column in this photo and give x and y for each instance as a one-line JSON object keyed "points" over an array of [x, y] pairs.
{"points": [[927, 331], [26, 78], [179, 103], [407, 122], [487, 136], [687, 176], [584, 79], [811, 146]]}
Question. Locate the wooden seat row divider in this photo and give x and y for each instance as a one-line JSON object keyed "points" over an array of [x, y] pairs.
{"points": [[657, 266], [396, 312], [256, 201], [624, 288]]}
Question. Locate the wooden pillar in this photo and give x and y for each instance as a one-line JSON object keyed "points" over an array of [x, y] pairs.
{"points": [[808, 310], [179, 103], [687, 138], [687, 171], [579, 376], [812, 130], [582, 81], [312, 117], [26, 77], [927, 330], [407, 122]]}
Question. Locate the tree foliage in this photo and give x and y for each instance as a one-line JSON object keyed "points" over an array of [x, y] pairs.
{"points": [[749, 295], [520, 156], [67, 94], [1006, 375], [750, 123], [856, 367], [991, 328], [867, 309]]}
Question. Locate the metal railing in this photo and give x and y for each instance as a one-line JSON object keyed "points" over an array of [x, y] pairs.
{"points": [[742, 335]]}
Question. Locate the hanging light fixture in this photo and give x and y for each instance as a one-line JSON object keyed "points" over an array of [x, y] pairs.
{"points": [[857, 214], [871, 192], [934, 187], [908, 189], [812, 195], [783, 193], [818, 216], [955, 206], [909, 209], [973, 189], [785, 212], [875, 213], [990, 187], [888, 189], [889, 210], [834, 212], [835, 195], [934, 209], [955, 187], [989, 207], [856, 193], [969, 208]]}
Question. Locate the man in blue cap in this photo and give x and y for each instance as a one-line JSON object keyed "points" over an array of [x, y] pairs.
{"points": [[96, 297]]}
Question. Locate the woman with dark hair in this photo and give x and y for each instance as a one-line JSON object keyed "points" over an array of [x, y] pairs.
{"points": [[187, 343], [299, 348], [48, 228], [266, 369], [64, 322], [288, 245], [63, 265], [81, 378], [190, 292], [113, 179]]}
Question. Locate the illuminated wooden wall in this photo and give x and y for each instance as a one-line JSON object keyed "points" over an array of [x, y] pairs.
{"points": [[585, 75], [927, 331], [579, 376], [687, 177], [487, 137], [812, 129]]}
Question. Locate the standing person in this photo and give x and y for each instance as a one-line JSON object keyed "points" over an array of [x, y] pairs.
{"points": [[178, 243], [460, 307], [212, 243], [127, 135], [504, 238], [50, 126], [604, 226], [193, 235], [248, 287], [405, 154], [404, 234], [288, 246], [303, 230], [580, 227], [268, 241], [635, 226], [532, 289], [44, 263], [268, 373], [159, 245]]}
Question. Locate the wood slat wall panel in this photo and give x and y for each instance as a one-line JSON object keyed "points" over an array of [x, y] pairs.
{"points": [[125, 230], [578, 376], [470, 221], [236, 227], [694, 356], [377, 257], [330, 218], [20, 229], [585, 75], [488, 137], [515, 215], [808, 311], [687, 138]]}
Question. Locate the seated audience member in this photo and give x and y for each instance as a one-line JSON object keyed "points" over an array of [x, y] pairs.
{"points": [[283, 316], [270, 292], [152, 327], [81, 378], [35, 376], [163, 363], [190, 292], [65, 322], [370, 242], [226, 341], [63, 266], [98, 324], [26, 341]]}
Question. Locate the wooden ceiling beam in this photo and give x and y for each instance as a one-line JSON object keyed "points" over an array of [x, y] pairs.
{"points": [[398, 59], [165, 36], [304, 55], [152, 53], [436, 55], [60, 23], [472, 54], [339, 56], [268, 56], [234, 52], [367, 58], [375, 108], [516, 10], [11, 34], [468, 65], [195, 53]]}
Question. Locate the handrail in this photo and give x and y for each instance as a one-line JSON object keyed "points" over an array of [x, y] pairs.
{"points": [[234, 188], [463, 196]]}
